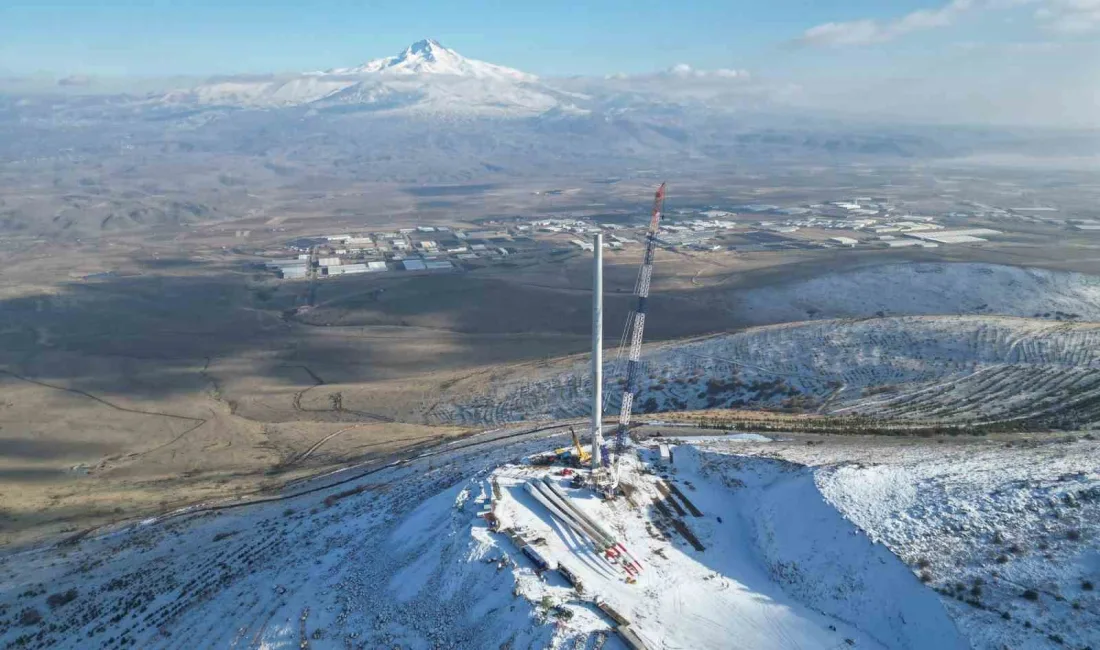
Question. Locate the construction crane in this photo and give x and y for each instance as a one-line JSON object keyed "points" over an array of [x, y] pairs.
{"points": [[582, 455], [636, 325], [579, 455]]}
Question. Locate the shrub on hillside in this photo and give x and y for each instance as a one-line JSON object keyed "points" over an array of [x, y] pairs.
{"points": [[29, 616], [61, 598]]}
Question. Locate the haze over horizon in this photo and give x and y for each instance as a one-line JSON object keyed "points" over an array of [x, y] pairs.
{"points": [[924, 61]]}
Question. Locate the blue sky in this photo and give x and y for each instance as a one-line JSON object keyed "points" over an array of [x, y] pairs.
{"points": [[155, 37], [202, 36]]}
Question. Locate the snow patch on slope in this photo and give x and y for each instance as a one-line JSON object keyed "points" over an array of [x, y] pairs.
{"points": [[920, 289]]}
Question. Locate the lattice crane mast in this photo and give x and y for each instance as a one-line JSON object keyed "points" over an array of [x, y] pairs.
{"points": [[636, 322]]}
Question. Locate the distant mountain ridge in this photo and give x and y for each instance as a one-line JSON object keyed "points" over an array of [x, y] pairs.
{"points": [[426, 115]]}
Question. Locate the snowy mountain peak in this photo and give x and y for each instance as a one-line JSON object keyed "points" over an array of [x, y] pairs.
{"points": [[425, 78], [429, 57], [425, 47]]}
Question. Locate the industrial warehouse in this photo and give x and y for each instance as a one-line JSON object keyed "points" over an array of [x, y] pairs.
{"points": [[860, 223]]}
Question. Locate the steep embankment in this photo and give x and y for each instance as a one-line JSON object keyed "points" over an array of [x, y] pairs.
{"points": [[1006, 533]]}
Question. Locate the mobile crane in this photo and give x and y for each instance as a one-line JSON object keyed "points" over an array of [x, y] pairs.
{"points": [[579, 456], [607, 480]]}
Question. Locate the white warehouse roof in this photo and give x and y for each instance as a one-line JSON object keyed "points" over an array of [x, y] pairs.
{"points": [[294, 271]]}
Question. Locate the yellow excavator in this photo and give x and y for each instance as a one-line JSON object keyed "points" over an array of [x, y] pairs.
{"points": [[576, 455]]}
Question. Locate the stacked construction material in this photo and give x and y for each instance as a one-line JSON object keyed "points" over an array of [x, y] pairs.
{"points": [[547, 493]]}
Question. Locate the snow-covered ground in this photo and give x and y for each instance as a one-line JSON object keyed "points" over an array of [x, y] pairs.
{"points": [[385, 560], [1007, 532], [917, 341], [399, 555], [946, 368], [928, 289], [781, 568]]}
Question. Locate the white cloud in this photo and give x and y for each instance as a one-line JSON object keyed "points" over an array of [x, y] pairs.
{"points": [[1035, 83], [1063, 17], [1070, 17], [683, 74], [866, 32], [683, 71], [686, 71], [75, 80], [856, 32], [719, 89]]}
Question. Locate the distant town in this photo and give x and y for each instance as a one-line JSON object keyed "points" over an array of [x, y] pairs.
{"points": [[866, 222]]}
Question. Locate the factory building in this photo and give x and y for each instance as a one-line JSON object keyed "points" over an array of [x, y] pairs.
{"points": [[293, 272], [347, 269], [967, 236], [275, 264]]}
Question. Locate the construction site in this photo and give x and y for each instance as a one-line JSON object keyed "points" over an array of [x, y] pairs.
{"points": [[610, 524], [571, 533], [525, 496]]}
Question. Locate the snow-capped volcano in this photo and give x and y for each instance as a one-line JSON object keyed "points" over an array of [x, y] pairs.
{"points": [[425, 78], [428, 57]]}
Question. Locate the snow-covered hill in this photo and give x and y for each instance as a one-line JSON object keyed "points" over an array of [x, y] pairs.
{"points": [[1006, 533], [766, 577], [425, 78], [954, 369], [401, 555], [969, 364], [925, 288]]}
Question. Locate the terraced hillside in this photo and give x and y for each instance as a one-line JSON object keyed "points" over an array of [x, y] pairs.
{"points": [[961, 369]]}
